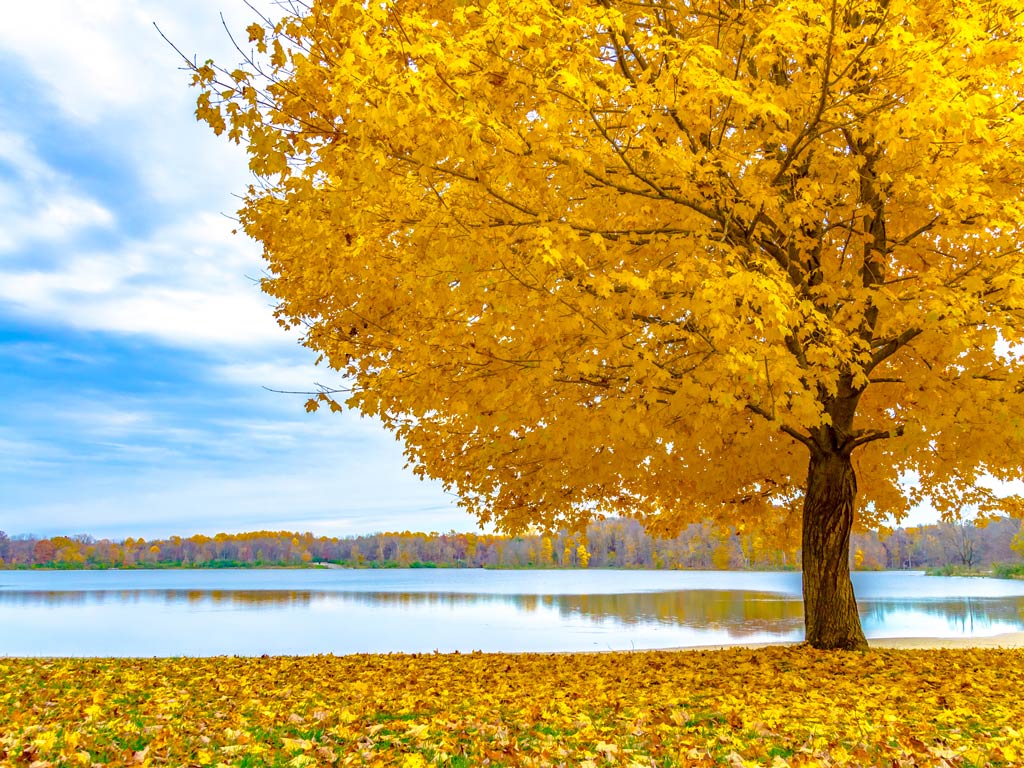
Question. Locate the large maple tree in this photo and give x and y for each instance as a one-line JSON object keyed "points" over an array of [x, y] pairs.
{"points": [[672, 259]]}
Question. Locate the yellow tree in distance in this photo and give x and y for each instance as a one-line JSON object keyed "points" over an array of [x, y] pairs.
{"points": [[672, 259]]}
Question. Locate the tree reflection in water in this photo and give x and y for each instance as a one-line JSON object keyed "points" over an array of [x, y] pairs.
{"points": [[963, 615], [737, 612]]}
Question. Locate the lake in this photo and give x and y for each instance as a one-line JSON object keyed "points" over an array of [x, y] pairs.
{"points": [[309, 611]]}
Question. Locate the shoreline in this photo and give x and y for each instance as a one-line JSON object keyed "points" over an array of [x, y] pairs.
{"points": [[1006, 640]]}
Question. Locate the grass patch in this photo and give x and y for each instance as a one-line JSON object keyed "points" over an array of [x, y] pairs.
{"points": [[1008, 571]]}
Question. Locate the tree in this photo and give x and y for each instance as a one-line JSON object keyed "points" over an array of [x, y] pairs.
{"points": [[1017, 544], [961, 542], [714, 259], [43, 552], [546, 551], [583, 555]]}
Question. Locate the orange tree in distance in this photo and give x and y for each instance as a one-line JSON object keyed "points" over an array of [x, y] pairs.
{"points": [[671, 259]]}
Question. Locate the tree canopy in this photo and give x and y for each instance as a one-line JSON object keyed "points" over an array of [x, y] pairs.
{"points": [[647, 258]]}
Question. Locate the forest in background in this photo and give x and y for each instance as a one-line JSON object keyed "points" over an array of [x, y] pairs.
{"points": [[614, 543]]}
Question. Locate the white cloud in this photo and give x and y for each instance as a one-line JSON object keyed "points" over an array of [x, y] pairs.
{"points": [[108, 420], [85, 52], [185, 286], [106, 55], [38, 204], [105, 67], [182, 316]]}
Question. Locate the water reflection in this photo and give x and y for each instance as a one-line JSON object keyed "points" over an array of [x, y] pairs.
{"points": [[959, 616], [196, 612], [739, 613]]}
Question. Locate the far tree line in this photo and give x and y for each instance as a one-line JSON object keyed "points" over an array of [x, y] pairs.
{"points": [[614, 543]]}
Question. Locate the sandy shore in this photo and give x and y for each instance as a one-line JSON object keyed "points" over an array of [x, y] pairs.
{"points": [[1007, 640]]}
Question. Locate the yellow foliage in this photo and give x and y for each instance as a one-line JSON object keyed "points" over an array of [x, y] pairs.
{"points": [[769, 707], [639, 258], [582, 555], [1017, 543]]}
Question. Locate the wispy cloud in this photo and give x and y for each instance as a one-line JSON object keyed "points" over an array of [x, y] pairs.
{"points": [[277, 373], [20, 453], [184, 285], [38, 204], [89, 56], [323, 496]]}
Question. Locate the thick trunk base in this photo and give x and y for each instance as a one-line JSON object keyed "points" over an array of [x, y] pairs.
{"points": [[831, 620]]}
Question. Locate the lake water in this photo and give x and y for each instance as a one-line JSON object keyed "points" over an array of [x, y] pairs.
{"points": [[252, 612]]}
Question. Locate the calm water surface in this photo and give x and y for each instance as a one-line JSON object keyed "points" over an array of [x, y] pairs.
{"points": [[251, 612]]}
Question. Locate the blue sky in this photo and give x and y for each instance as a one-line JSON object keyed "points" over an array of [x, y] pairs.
{"points": [[135, 344]]}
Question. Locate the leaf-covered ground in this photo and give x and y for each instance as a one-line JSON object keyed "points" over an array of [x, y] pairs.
{"points": [[774, 706]]}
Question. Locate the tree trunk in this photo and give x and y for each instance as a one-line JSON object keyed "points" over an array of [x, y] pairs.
{"points": [[831, 620]]}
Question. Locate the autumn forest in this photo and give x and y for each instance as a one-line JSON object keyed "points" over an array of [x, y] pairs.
{"points": [[615, 543]]}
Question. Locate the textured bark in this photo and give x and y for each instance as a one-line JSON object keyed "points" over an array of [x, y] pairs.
{"points": [[831, 620]]}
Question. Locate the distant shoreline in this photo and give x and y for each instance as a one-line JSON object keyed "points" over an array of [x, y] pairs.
{"points": [[392, 565]]}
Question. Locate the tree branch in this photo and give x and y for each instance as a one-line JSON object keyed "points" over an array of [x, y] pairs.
{"points": [[890, 347], [798, 436], [863, 437]]}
